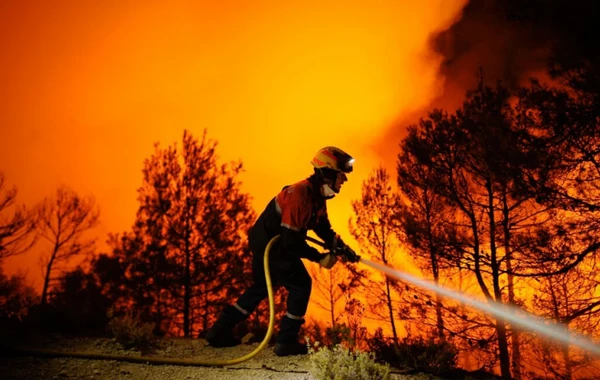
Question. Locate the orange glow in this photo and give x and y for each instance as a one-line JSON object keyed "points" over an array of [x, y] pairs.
{"points": [[88, 87]]}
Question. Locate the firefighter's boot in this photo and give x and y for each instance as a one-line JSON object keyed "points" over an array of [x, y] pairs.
{"points": [[287, 339], [221, 332]]}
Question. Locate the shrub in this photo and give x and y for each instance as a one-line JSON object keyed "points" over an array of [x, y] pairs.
{"points": [[16, 297], [429, 356], [330, 336], [339, 363], [130, 332], [418, 354]]}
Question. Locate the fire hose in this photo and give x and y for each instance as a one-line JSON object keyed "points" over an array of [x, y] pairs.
{"points": [[187, 362]]}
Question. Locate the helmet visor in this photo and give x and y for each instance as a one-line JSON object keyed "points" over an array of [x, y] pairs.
{"points": [[346, 164]]}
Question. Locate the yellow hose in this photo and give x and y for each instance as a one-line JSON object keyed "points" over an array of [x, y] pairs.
{"points": [[169, 361]]}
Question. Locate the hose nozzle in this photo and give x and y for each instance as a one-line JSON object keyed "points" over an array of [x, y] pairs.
{"points": [[342, 250]]}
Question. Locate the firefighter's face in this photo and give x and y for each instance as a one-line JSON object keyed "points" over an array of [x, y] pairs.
{"points": [[339, 181]]}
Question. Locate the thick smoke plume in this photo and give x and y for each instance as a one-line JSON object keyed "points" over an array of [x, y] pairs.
{"points": [[510, 41]]}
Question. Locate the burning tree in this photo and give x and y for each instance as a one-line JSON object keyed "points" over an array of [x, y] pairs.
{"points": [[425, 223], [570, 299], [375, 229], [333, 291], [562, 253], [330, 288], [476, 161]]}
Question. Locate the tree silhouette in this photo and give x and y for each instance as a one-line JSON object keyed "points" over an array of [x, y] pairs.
{"points": [[17, 228], [567, 178], [331, 288], [78, 302], [190, 232], [425, 220], [109, 274], [328, 293], [571, 300], [375, 229], [475, 162], [355, 311], [135, 275], [15, 297], [63, 221]]}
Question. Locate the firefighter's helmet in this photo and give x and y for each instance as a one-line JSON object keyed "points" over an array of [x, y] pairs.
{"points": [[333, 158]]}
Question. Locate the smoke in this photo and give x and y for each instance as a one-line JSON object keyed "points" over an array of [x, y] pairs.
{"points": [[511, 41], [484, 38]]}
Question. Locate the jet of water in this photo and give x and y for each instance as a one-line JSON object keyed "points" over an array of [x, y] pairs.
{"points": [[515, 316]]}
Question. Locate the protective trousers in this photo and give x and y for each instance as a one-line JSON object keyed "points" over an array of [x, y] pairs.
{"points": [[287, 271]]}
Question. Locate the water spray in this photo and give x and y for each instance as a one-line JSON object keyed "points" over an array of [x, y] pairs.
{"points": [[514, 315]]}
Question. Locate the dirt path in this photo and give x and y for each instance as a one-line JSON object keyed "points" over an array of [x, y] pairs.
{"points": [[266, 365]]}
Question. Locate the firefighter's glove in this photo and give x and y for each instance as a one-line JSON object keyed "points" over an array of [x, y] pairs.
{"points": [[335, 244], [349, 255], [328, 260]]}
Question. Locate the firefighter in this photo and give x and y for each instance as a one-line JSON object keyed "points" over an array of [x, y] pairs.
{"points": [[295, 210]]}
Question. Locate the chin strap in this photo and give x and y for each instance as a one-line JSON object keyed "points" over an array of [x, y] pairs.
{"points": [[328, 192]]}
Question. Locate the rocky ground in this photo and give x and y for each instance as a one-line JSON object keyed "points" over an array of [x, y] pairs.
{"points": [[265, 365]]}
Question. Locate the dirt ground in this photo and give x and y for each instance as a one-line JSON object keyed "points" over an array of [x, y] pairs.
{"points": [[265, 365]]}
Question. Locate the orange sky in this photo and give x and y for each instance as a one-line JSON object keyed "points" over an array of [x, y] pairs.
{"points": [[87, 87]]}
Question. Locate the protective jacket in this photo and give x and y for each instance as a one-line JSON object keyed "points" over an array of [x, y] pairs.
{"points": [[295, 210]]}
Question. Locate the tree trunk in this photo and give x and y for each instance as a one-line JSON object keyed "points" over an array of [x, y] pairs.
{"points": [[438, 313], [568, 365], [500, 324], [186, 292], [391, 310], [438, 299], [331, 300], [515, 343], [47, 280], [332, 316], [566, 356], [436, 279], [463, 323], [159, 316], [503, 347], [515, 338], [205, 312]]}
